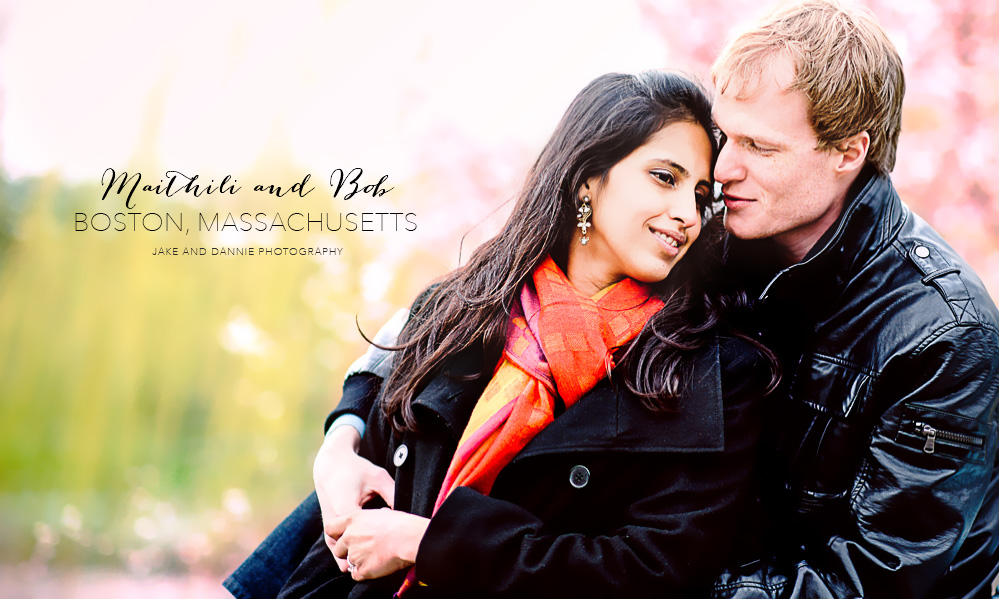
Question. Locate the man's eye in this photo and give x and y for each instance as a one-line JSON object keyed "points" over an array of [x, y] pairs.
{"points": [[722, 140], [665, 176], [757, 149]]}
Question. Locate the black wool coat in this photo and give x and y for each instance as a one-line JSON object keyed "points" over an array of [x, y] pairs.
{"points": [[610, 500]]}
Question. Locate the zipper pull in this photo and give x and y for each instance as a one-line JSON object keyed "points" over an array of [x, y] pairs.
{"points": [[931, 436]]}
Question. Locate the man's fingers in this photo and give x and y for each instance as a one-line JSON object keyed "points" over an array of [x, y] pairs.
{"points": [[384, 485], [345, 505]]}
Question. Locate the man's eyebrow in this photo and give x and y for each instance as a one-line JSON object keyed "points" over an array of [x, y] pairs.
{"points": [[756, 139], [762, 141]]}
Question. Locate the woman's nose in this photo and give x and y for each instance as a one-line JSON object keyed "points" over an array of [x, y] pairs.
{"points": [[685, 210]]}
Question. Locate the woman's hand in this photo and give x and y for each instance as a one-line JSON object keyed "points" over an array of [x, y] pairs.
{"points": [[345, 481], [377, 542]]}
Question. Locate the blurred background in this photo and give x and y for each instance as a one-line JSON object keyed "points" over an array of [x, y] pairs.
{"points": [[159, 415]]}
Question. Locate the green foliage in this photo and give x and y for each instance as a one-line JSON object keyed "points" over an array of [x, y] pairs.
{"points": [[128, 419]]}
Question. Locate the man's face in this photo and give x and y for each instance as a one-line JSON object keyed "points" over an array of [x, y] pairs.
{"points": [[774, 181]]}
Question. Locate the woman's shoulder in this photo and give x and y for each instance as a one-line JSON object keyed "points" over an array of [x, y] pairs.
{"points": [[746, 370], [737, 353]]}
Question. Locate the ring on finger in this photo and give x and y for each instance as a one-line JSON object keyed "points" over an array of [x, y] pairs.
{"points": [[351, 566]]}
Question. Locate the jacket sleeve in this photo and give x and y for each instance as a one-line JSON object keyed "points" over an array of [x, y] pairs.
{"points": [[913, 501], [364, 378], [675, 538]]}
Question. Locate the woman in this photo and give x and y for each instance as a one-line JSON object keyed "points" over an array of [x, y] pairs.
{"points": [[571, 413]]}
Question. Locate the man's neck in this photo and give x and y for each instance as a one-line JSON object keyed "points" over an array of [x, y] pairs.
{"points": [[797, 243]]}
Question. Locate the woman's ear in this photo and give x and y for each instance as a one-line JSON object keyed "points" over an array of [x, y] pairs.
{"points": [[588, 188]]}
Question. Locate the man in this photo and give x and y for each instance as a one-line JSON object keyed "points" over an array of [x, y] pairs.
{"points": [[881, 480]]}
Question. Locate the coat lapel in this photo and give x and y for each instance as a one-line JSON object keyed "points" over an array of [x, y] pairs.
{"points": [[610, 419], [606, 418]]}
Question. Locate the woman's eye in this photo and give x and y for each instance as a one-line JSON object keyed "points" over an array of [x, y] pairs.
{"points": [[665, 176]]}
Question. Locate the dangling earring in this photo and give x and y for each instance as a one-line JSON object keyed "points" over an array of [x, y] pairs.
{"points": [[583, 216]]}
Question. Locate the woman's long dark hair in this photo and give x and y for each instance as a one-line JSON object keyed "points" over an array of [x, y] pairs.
{"points": [[609, 119]]}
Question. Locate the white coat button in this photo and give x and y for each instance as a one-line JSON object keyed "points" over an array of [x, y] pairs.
{"points": [[400, 455], [579, 476], [922, 251]]}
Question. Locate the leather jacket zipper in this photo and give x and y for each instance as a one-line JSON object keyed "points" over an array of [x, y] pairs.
{"points": [[932, 434]]}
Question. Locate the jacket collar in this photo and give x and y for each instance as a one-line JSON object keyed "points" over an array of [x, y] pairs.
{"points": [[609, 417], [445, 399], [871, 218]]}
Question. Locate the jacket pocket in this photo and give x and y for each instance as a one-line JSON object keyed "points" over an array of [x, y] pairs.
{"points": [[940, 433], [823, 427], [831, 385]]}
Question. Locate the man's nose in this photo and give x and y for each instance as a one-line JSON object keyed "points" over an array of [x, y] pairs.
{"points": [[729, 166]]}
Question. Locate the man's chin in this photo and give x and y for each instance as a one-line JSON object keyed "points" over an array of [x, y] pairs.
{"points": [[739, 227]]}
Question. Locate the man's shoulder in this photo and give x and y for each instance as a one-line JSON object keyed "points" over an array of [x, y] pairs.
{"points": [[926, 282], [914, 292]]}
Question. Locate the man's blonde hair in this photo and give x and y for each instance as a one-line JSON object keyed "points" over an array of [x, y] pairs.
{"points": [[844, 63]]}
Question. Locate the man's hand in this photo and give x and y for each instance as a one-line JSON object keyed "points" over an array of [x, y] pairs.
{"points": [[345, 481], [376, 542]]}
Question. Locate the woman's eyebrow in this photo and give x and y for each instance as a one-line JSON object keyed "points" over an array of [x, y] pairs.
{"points": [[679, 168]]}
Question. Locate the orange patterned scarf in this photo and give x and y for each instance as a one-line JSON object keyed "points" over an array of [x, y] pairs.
{"points": [[559, 345]]}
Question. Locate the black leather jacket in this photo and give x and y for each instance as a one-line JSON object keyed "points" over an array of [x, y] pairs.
{"points": [[881, 479]]}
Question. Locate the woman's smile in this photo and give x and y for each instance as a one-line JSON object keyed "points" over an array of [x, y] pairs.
{"points": [[671, 240]]}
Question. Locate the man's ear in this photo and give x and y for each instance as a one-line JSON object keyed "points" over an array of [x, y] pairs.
{"points": [[853, 153]]}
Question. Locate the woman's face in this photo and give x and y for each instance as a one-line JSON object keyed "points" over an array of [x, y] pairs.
{"points": [[645, 211]]}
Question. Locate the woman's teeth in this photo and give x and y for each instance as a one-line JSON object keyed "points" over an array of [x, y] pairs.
{"points": [[671, 241]]}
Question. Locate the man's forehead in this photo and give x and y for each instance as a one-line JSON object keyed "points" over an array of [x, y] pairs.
{"points": [[736, 117], [766, 110], [774, 75]]}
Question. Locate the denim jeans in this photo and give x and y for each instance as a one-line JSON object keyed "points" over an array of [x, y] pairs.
{"points": [[270, 565]]}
